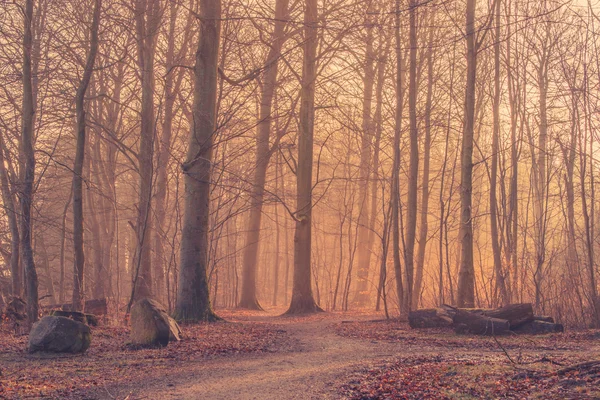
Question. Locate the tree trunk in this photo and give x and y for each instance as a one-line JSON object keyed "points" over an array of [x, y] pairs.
{"points": [[193, 301], [540, 179], [302, 296], [8, 201], [424, 226], [378, 123], [27, 159], [172, 87], [499, 271], [413, 174], [148, 20], [361, 297], [466, 278], [395, 195], [78, 290], [263, 155]]}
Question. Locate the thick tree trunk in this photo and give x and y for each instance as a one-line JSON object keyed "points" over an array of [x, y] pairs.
{"points": [[302, 296], [78, 291], [263, 156], [27, 173], [466, 275], [193, 301]]}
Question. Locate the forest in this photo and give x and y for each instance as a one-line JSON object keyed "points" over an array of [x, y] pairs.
{"points": [[299, 199]]}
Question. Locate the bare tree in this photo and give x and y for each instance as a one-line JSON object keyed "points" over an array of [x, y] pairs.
{"points": [[147, 22], [466, 281], [79, 157], [27, 174], [263, 156], [193, 300], [302, 296]]}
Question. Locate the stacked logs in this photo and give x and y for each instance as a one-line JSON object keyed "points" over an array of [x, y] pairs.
{"points": [[512, 318]]}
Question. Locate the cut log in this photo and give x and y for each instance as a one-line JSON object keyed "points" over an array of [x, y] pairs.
{"points": [[540, 328], [98, 307], [516, 314], [88, 319], [544, 319], [467, 322], [427, 318]]}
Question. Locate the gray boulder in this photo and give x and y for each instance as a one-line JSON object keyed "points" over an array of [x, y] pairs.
{"points": [[151, 325], [59, 335]]}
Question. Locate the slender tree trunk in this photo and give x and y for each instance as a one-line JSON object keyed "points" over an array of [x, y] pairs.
{"points": [[27, 172], [413, 175], [512, 219], [364, 251], [8, 200], [442, 186], [540, 178], [63, 240], [499, 271], [378, 123], [395, 195], [277, 260], [588, 212], [193, 300], [466, 276], [148, 20], [302, 296], [424, 226], [78, 290], [263, 155], [172, 86]]}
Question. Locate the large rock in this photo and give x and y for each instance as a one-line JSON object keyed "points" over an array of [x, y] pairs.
{"points": [[151, 325], [59, 335]]}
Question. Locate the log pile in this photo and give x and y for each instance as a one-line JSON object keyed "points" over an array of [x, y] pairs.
{"points": [[93, 309], [512, 318]]}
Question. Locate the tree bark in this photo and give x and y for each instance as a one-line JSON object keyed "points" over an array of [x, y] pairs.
{"points": [[263, 155], [78, 290], [466, 278], [413, 174], [302, 296], [424, 226], [193, 301], [364, 251], [8, 200], [148, 20], [499, 271], [27, 173], [395, 195]]}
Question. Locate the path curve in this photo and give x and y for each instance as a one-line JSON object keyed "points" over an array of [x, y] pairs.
{"points": [[310, 370]]}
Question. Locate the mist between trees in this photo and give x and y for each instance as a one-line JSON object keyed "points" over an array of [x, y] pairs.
{"points": [[312, 155]]}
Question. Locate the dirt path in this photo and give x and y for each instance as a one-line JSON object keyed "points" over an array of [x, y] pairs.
{"points": [[309, 369]]}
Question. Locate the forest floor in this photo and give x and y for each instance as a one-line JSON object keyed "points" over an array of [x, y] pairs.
{"points": [[328, 355]]}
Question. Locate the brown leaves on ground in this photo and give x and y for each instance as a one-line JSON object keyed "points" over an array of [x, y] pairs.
{"points": [[109, 361], [439, 364]]}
